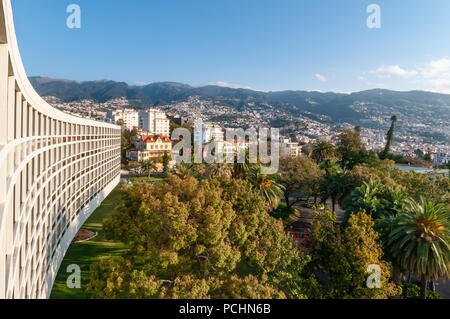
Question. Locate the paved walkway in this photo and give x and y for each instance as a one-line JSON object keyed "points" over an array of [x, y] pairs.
{"points": [[124, 175], [307, 216]]}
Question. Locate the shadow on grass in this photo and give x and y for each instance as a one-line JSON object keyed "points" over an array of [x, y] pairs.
{"points": [[86, 253]]}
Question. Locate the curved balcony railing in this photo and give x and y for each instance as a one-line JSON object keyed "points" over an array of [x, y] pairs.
{"points": [[55, 169]]}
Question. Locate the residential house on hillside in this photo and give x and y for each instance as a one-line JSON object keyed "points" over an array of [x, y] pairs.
{"points": [[149, 147]]}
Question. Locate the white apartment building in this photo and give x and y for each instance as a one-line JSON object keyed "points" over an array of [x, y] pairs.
{"points": [[228, 149], [129, 117], [441, 158], [213, 132], [209, 133], [290, 149], [154, 121], [55, 170]]}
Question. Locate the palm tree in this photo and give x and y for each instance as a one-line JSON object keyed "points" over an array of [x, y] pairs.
{"points": [[218, 169], [307, 150], [241, 170], [364, 198], [322, 151], [330, 167], [266, 186], [149, 166], [331, 185], [184, 170], [420, 241], [391, 203], [336, 185]]}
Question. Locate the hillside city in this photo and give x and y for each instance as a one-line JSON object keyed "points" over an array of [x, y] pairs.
{"points": [[224, 158], [295, 132], [327, 171]]}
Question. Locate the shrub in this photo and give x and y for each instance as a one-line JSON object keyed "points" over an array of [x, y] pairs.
{"points": [[411, 291], [282, 212]]}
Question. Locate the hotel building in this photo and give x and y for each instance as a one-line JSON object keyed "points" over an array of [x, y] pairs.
{"points": [[55, 170]]}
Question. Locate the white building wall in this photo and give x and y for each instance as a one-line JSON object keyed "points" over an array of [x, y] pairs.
{"points": [[129, 117], [155, 122], [55, 169]]}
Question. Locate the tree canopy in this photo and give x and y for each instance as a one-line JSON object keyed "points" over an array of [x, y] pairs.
{"points": [[198, 239], [344, 257]]}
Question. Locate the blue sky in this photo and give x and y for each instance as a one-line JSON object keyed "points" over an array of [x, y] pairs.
{"points": [[266, 45]]}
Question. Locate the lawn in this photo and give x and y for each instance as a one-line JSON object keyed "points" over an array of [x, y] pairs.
{"points": [[86, 253]]}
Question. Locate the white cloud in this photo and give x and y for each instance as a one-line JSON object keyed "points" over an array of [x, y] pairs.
{"points": [[139, 83], [437, 75], [230, 85], [320, 77], [437, 68], [387, 71], [431, 76], [440, 85]]}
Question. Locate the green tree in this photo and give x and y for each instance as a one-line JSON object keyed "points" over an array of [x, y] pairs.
{"points": [[241, 170], [344, 255], [365, 198], [218, 169], [427, 157], [323, 151], [128, 139], [417, 185], [149, 167], [120, 122], [336, 187], [349, 145], [267, 186], [198, 239], [165, 161], [185, 170], [376, 199], [389, 138], [307, 150], [420, 241], [329, 166], [363, 157], [300, 178], [445, 166]]}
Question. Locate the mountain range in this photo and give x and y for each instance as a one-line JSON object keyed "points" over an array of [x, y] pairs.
{"points": [[417, 108]]}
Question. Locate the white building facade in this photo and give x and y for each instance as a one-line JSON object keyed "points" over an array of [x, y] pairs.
{"points": [[208, 133], [154, 121], [441, 158], [129, 117], [290, 149], [55, 169]]}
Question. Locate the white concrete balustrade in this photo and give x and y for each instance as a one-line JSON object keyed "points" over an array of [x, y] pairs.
{"points": [[55, 169]]}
